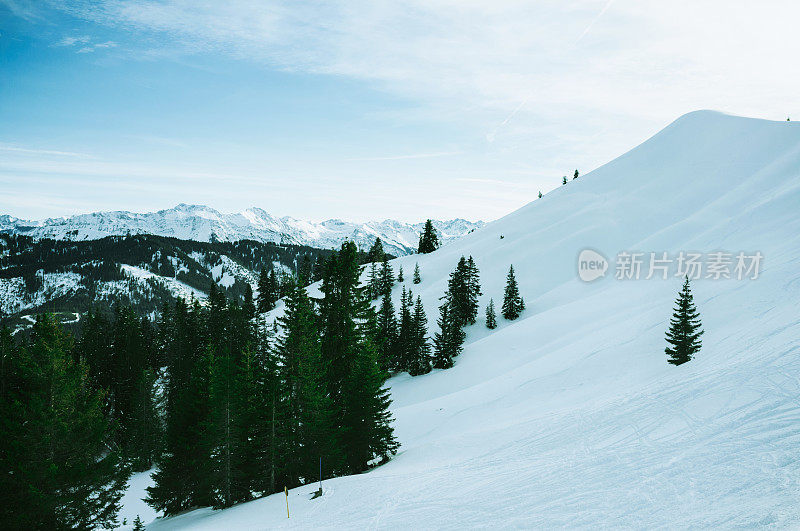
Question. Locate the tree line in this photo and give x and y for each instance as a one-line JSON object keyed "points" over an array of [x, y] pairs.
{"points": [[225, 407]]}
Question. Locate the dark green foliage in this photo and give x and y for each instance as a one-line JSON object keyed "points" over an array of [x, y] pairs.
{"points": [[304, 273], [428, 239], [58, 470], [386, 279], [564, 180], [376, 253], [267, 291], [463, 290], [685, 328], [513, 303], [540, 194], [400, 274], [386, 337], [417, 279], [575, 175], [373, 282], [448, 341], [354, 379], [419, 349], [491, 316], [138, 525]]}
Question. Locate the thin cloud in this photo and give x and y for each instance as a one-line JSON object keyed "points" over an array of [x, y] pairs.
{"points": [[413, 156], [29, 151]]}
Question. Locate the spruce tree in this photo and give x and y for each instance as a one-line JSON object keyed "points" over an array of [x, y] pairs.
{"points": [[419, 349], [376, 252], [400, 274], [386, 340], [513, 303], [138, 525], [575, 176], [417, 279], [491, 316], [386, 280], [564, 180], [354, 379], [266, 291], [59, 470], [428, 239], [540, 194], [404, 345], [373, 282], [448, 341], [463, 290], [685, 328], [304, 277]]}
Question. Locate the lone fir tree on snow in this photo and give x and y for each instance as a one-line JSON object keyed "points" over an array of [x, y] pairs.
{"points": [[400, 274], [564, 180], [540, 194], [417, 279], [575, 175], [685, 329], [513, 304], [491, 316], [428, 240]]}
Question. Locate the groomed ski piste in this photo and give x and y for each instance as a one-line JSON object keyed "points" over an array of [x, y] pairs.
{"points": [[571, 416]]}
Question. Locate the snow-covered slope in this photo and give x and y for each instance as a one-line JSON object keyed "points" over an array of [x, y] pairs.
{"points": [[570, 416], [202, 223]]}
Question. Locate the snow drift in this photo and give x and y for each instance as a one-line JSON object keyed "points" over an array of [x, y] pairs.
{"points": [[571, 416]]}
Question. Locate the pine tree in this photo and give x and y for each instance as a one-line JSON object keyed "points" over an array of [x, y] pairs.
{"points": [[248, 303], [513, 304], [463, 290], [138, 525], [575, 176], [376, 252], [400, 274], [405, 333], [448, 342], [373, 282], [266, 291], [420, 350], [59, 471], [417, 279], [491, 316], [183, 479], [540, 194], [386, 278], [386, 340], [428, 239], [685, 328], [354, 379], [564, 180], [304, 276]]}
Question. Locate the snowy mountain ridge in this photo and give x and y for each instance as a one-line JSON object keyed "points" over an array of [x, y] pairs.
{"points": [[203, 223]]}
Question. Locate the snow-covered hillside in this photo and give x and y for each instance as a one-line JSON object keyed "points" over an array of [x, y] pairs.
{"points": [[571, 416], [202, 223]]}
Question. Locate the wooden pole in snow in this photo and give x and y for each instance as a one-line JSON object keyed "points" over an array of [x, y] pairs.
{"points": [[286, 491]]}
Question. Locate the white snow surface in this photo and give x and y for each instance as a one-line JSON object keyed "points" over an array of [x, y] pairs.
{"points": [[199, 222], [570, 416]]}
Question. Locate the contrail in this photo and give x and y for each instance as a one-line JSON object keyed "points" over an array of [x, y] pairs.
{"points": [[491, 136], [595, 19]]}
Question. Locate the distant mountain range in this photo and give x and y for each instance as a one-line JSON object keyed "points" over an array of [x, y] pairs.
{"points": [[203, 223]]}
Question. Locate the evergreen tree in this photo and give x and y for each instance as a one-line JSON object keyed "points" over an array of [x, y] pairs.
{"points": [[575, 176], [448, 342], [420, 350], [376, 253], [248, 304], [354, 379], [183, 479], [386, 339], [304, 276], [58, 470], [564, 180], [400, 274], [513, 304], [428, 239], [491, 316], [386, 278], [417, 279], [404, 347], [540, 194], [463, 290], [138, 525], [373, 282], [685, 328], [266, 291]]}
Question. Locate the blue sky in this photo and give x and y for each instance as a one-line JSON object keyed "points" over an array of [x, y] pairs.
{"points": [[361, 109]]}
